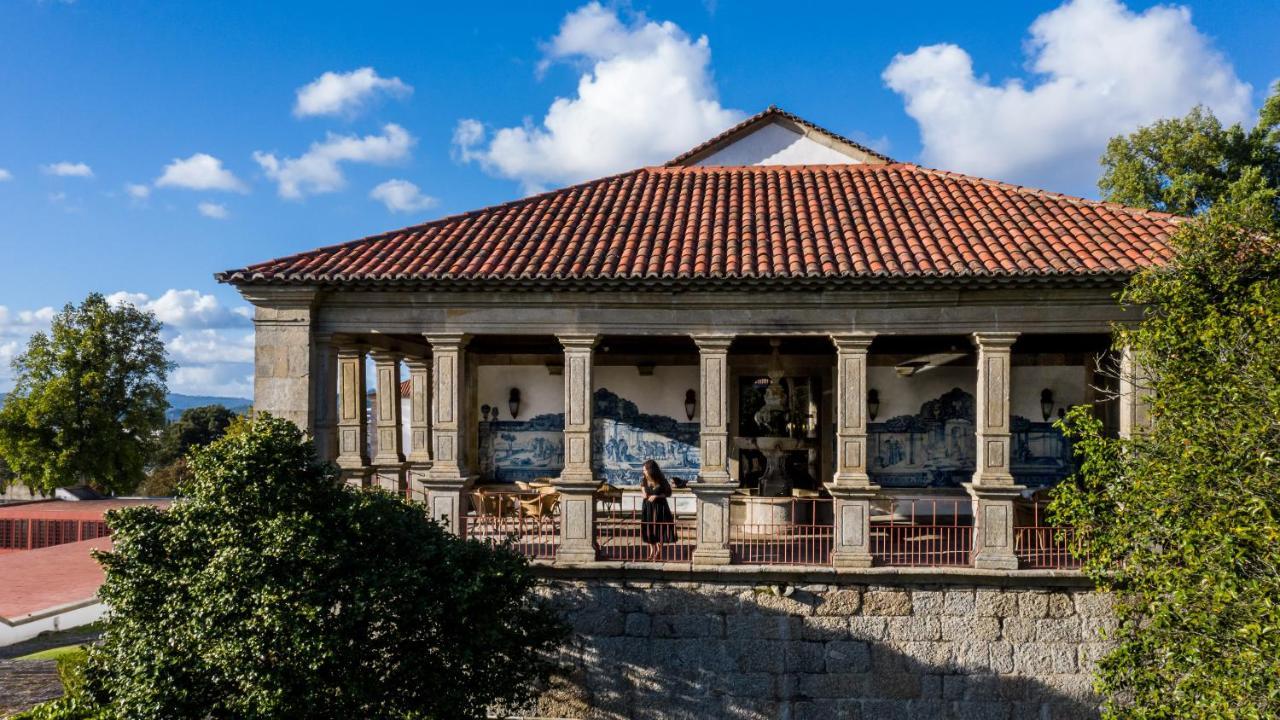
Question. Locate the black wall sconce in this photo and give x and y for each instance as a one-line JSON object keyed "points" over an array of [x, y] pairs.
{"points": [[873, 403], [513, 402], [484, 412], [690, 403], [1046, 403]]}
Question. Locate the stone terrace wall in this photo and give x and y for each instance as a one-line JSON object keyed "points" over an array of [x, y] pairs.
{"points": [[717, 649]]}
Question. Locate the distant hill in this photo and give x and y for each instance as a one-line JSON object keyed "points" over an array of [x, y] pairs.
{"points": [[179, 402]]}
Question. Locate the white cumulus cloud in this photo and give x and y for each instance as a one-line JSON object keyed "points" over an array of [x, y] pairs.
{"points": [[1100, 70], [137, 191], [201, 171], [185, 309], [345, 93], [318, 170], [214, 210], [401, 196], [211, 346], [220, 380], [68, 169], [648, 96], [16, 326], [5, 175]]}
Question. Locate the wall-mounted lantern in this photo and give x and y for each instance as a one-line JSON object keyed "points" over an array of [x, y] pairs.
{"points": [[513, 402], [484, 412], [873, 403], [493, 413], [1046, 403], [690, 403]]}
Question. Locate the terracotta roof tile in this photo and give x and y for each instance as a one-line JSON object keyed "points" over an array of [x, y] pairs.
{"points": [[827, 224]]}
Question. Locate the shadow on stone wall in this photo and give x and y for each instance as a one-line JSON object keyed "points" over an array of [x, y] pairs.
{"points": [[667, 650]]}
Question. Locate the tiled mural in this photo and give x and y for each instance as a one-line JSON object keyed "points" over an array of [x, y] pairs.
{"points": [[936, 447], [622, 439]]}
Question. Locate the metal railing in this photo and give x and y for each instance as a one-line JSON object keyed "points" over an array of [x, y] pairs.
{"points": [[1042, 546], [922, 533], [782, 531], [33, 533], [530, 520], [621, 535]]}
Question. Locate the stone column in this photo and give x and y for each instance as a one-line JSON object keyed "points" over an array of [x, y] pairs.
{"points": [[283, 353], [353, 427], [419, 425], [577, 483], [450, 475], [992, 490], [715, 486], [851, 489], [324, 389], [389, 463], [1135, 396]]}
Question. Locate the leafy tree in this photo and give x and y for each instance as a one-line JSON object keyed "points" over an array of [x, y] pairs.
{"points": [[195, 428], [89, 399], [1183, 523], [274, 591], [1185, 165]]}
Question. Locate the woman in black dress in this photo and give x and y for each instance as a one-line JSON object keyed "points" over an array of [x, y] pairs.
{"points": [[657, 525]]}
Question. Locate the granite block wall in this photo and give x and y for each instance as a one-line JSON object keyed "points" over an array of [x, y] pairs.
{"points": [[724, 650]]}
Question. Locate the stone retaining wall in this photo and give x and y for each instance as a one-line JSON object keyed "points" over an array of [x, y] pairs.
{"points": [[658, 649]]}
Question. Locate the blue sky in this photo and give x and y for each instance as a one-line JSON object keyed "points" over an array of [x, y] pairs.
{"points": [[146, 145]]}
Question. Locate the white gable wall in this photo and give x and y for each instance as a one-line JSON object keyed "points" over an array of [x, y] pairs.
{"points": [[774, 144]]}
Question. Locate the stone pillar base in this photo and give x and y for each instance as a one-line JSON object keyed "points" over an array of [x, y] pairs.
{"points": [[356, 477], [446, 502], [390, 477], [713, 523], [852, 509], [577, 519], [416, 479], [993, 516]]}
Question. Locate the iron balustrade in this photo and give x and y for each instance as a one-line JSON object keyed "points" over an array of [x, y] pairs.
{"points": [[1039, 545], [782, 531], [620, 534], [922, 533]]}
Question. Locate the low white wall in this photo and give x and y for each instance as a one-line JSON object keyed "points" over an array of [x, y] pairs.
{"points": [[541, 393], [13, 631]]}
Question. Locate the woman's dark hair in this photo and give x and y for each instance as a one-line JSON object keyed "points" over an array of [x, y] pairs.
{"points": [[652, 470]]}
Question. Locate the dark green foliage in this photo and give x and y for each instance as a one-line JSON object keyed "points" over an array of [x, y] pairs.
{"points": [[273, 591], [1183, 523], [1185, 165], [197, 427], [88, 400]]}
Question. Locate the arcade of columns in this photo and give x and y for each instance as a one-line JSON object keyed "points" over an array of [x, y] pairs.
{"points": [[436, 464]]}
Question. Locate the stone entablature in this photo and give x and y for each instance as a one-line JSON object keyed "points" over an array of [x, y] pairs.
{"points": [[940, 646]]}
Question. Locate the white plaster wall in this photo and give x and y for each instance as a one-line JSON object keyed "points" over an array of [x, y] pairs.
{"points": [[774, 144], [904, 396], [661, 393], [540, 391], [1066, 381]]}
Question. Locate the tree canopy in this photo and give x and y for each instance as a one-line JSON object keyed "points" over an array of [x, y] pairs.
{"points": [[195, 428], [88, 400], [1183, 523], [275, 591], [1184, 165]]}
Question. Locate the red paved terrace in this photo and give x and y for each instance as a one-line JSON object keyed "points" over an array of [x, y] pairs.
{"points": [[39, 580]]}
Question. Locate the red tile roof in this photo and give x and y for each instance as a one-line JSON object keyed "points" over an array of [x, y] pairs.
{"points": [[762, 226]]}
